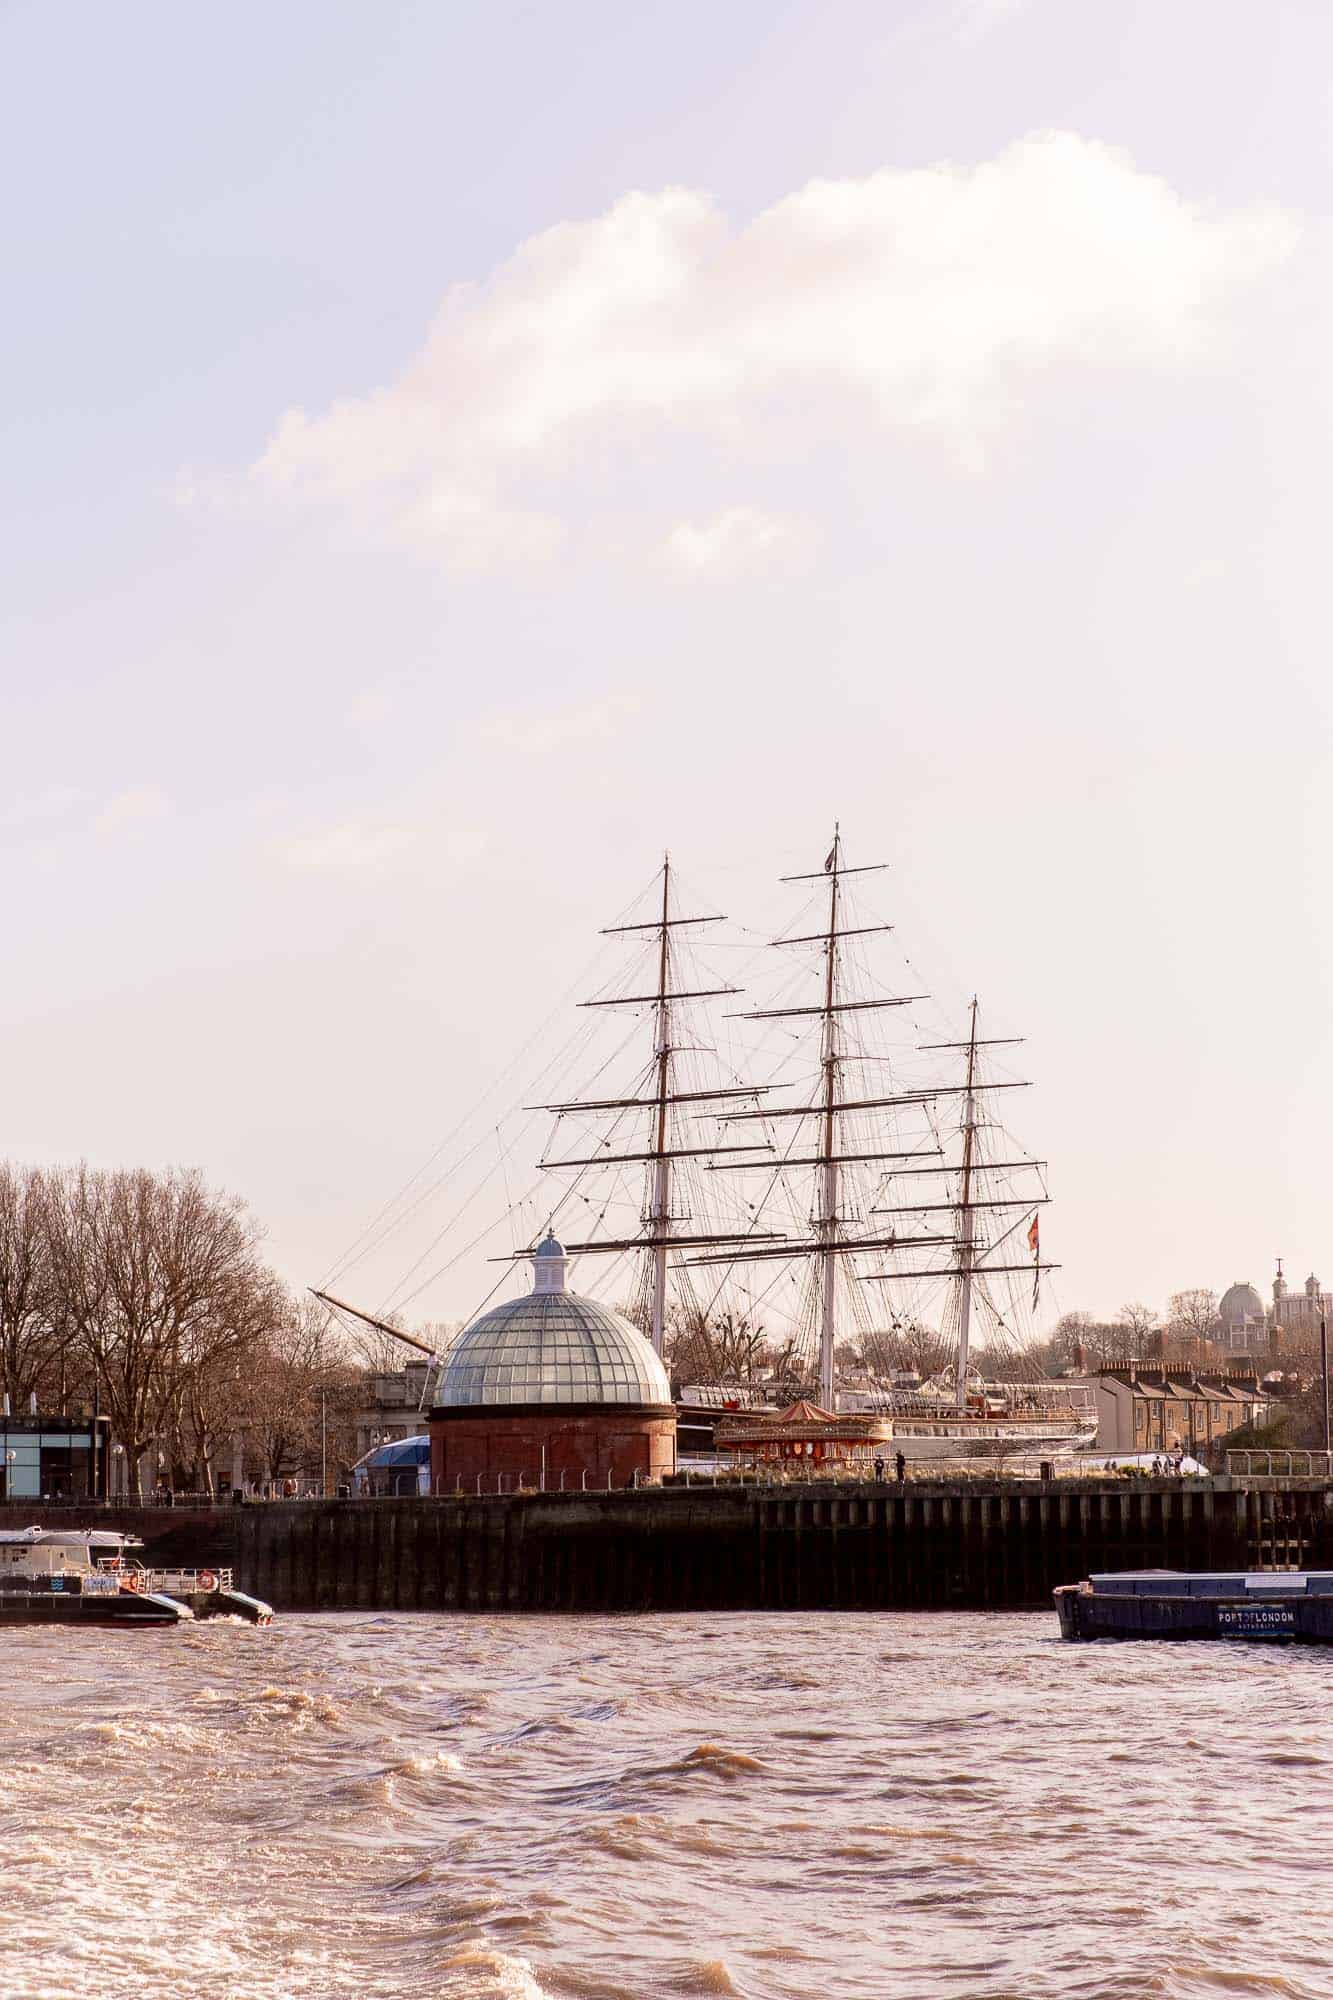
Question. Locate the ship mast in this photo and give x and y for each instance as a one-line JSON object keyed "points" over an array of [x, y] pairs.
{"points": [[659, 1235], [965, 1210], [827, 1227], [974, 1254], [828, 1243], [659, 1214]]}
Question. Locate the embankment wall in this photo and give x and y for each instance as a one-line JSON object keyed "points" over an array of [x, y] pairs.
{"points": [[753, 1548]]}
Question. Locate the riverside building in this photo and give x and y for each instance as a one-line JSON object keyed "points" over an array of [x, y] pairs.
{"points": [[54, 1458], [1173, 1409], [554, 1391]]}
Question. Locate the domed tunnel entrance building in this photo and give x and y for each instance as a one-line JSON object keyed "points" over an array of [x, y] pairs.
{"points": [[553, 1391]]}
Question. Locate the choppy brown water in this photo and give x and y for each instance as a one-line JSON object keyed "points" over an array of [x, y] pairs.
{"points": [[349, 1807]]}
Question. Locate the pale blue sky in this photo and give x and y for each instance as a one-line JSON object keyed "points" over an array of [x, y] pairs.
{"points": [[1037, 604]]}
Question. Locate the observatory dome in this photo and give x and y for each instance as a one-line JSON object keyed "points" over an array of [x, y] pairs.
{"points": [[1240, 1302]]}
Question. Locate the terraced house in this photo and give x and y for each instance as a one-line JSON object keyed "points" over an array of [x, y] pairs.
{"points": [[1173, 1409]]}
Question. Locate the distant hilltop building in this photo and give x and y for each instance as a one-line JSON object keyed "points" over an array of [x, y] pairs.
{"points": [[1245, 1326], [1242, 1324], [1299, 1312]]}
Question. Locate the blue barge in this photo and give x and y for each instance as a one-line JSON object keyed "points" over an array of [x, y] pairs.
{"points": [[1193, 1604]]}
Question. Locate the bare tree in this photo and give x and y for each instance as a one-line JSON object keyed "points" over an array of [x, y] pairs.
{"points": [[301, 1376], [34, 1338], [1140, 1322], [1192, 1314], [157, 1276], [909, 1346], [712, 1347], [1079, 1339], [206, 1392]]}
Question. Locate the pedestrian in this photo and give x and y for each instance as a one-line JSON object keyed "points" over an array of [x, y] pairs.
{"points": [[900, 1467], [879, 1471]]}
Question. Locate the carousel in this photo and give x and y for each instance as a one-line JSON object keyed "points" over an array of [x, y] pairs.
{"points": [[804, 1433]]}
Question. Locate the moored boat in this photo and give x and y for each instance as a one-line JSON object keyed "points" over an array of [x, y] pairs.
{"points": [[94, 1576], [1200, 1604], [49, 1579]]}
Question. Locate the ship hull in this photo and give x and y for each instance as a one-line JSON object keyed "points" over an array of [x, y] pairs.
{"points": [[71, 1607], [961, 1442], [1262, 1607]]}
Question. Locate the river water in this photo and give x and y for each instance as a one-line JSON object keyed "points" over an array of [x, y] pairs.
{"points": [[346, 1807]]}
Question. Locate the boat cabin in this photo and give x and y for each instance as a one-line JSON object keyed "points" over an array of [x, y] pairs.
{"points": [[57, 1551]]}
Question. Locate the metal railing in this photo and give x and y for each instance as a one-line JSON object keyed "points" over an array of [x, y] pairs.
{"points": [[1280, 1464], [172, 1579]]}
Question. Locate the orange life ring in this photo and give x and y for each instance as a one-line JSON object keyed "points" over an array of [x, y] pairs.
{"points": [[207, 1580], [130, 1580]]}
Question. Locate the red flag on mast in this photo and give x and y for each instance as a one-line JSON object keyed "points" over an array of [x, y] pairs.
{"points": [[1034, 1245]]}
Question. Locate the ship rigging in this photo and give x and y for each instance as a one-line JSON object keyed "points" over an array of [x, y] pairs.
{"points": [[883, 1191]]}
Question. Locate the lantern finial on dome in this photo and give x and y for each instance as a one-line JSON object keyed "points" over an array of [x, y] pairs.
{"points": [[548, 1264]]}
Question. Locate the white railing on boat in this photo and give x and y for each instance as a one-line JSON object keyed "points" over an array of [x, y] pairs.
{"points": [[1280, 1464], [173, 1581]]}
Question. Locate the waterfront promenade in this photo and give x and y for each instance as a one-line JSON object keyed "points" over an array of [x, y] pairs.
{"points": [[972, 1545]]}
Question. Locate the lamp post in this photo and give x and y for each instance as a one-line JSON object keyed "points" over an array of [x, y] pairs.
{"points": [[323, 1444], [1323, 1365]]}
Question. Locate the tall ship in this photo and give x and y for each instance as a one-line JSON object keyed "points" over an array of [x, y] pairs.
{"points": [[820, 1175]]}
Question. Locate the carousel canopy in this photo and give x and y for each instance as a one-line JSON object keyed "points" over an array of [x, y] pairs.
{"points": [[802, 1423]]}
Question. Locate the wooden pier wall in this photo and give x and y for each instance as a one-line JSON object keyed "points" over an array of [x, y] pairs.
{"points": [[973, 1546]]}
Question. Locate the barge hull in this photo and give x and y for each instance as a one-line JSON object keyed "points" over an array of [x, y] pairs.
{"points": [[1264, 1608]]}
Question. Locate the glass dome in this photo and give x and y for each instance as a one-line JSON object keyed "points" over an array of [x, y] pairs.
{"points": [[552, 1347]]}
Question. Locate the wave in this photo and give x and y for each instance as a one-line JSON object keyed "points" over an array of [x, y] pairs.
{"points": [[297, 1704], [723, 1763], [476, 1972]]}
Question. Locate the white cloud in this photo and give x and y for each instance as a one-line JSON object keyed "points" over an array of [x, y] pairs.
{"points": [[925, 300], [352, 846], [539, 735], [739, 540], [138, 806], [475, 533]]}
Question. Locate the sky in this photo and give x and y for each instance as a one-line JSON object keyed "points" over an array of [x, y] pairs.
{"points": [[454, 454]]}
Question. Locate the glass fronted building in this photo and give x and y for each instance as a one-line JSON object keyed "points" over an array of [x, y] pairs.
{"points": [[52, 1458]]}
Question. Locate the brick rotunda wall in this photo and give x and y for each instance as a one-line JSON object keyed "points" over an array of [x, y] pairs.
{"points": [[507, 1441]]}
